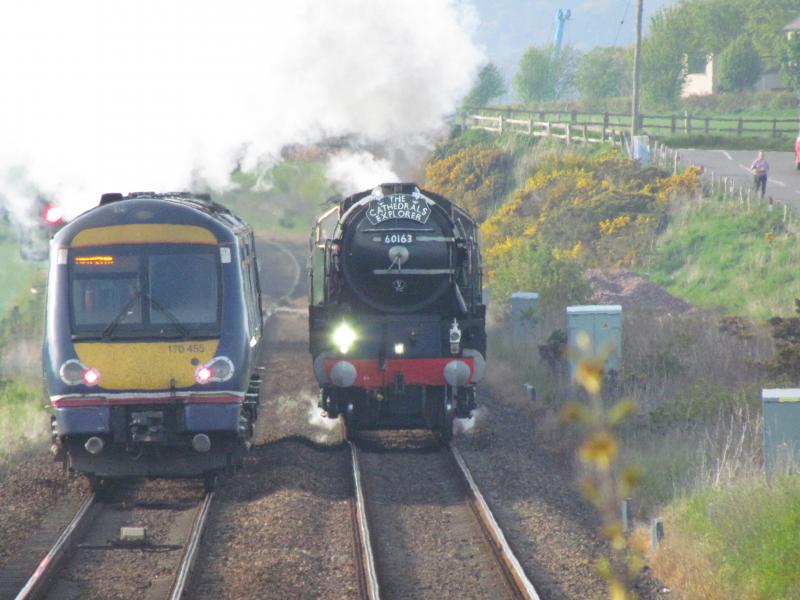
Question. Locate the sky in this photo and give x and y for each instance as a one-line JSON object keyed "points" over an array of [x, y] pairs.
{"points": [[103, 96], [508, 27]]}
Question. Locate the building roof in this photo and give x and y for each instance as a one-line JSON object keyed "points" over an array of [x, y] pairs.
{"points": [[793, 26]]}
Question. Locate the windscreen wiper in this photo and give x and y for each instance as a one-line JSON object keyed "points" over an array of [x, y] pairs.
{"points": [[121, 315], [182, 329]]}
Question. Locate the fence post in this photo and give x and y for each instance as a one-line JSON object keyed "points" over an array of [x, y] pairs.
{"points": [[675, 165], [530, 126], [574, 116], [500, 120], [687, 122], [585, 135], [740, 127], [541, 115], [706, 125], [673, 125], [569, 133]]}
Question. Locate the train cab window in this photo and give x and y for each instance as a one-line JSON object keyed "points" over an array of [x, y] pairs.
{"points": [[104, 288], [183, 287], [151, 291]]}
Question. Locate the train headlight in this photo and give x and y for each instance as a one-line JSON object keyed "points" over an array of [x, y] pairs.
{"points": [[220, 368], [399, 349], [74, 372], [344, 337]]}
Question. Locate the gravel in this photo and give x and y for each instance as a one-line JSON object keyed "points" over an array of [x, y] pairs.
{"points": [[526, 470], [32, 489], [632, 291], [282, 527], [103, 569], [427, 541]]}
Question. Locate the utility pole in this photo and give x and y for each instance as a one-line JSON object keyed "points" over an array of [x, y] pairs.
{"points": [[637, 65]]}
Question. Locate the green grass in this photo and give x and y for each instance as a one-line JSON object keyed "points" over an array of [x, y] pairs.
{"points": [[15, 273], [749, 532], [719, 256], [23, 419], [286, 200], [713, 142]]}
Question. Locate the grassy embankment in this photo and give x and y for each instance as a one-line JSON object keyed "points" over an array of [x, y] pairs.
{"points": [[721, 257], [695, 377], [23, 418]]}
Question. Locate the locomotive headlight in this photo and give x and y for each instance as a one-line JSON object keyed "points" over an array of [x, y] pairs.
{"points": [[220, 368], [344, 337], [399, 349]]}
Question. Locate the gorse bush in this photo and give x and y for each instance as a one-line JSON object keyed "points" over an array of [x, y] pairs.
{"points": [[478, 177], [577, 211]]}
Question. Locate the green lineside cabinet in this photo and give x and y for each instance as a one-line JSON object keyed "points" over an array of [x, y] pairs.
{"points": [[781, 409], [603, 324]]}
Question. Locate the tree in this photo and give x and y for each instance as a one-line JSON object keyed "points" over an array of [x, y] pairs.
{"points": [[739, 66], [790, 62], [544, 76], [702, 27], [662, 58], [604, 73], [490, 86]]}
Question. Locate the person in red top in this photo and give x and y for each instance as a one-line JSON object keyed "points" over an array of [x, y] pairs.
{"points": [[760, 169]]}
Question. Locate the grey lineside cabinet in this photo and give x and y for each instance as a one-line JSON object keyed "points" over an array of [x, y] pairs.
{"points": [[781, 409], [603, 324]]}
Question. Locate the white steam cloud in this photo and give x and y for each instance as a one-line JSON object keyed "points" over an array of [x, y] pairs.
{"points": [[471, 425], [354, 171], [158, 95]]}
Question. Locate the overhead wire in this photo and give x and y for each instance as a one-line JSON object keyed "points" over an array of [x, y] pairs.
{"points": [[622, 22]]}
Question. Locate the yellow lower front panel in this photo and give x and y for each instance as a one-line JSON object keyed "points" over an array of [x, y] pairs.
{"points": [[146, 365]]}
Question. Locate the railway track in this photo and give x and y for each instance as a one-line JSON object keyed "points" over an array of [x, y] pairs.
{"points": [[378, 542], [83, 561]]}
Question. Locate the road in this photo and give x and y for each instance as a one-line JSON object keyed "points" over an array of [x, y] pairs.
{"points": [[784, 180]]}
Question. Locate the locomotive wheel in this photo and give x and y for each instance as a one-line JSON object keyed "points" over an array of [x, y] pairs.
{"points": [[447, 416], [210, 481], [445, 431], [350, 422], [100, 486]]}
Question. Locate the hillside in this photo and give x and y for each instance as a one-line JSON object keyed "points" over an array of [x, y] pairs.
{"points": [[582, 226]]}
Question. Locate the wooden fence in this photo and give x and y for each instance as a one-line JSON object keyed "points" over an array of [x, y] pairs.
{"points": [[654, 124], [580, 133], [661, 155]]}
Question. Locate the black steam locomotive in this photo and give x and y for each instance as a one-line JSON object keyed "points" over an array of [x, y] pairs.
{"points": [[397, 322]]}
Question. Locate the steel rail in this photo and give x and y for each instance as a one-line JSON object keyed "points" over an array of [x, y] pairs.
{"points": [[364, 552], [49, 565], [512, 569], [192, 549]]}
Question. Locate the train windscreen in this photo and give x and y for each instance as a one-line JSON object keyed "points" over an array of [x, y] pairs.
{"points": [[145, 292]]}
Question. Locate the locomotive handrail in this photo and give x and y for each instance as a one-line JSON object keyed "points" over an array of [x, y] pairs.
{"points": [[413, 271]]}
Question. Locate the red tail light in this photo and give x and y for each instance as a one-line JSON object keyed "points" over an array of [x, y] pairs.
{"points": [[220, 368], [91, 376], [54, 215], [203, 375]]}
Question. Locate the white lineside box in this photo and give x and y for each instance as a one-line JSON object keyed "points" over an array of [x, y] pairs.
{"points": [[523, 316], [781, 410], [603, 324]]}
